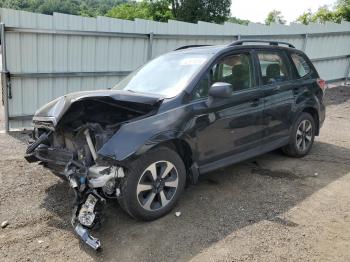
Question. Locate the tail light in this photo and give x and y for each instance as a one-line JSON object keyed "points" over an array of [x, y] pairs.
{"points": [[322, 84]]}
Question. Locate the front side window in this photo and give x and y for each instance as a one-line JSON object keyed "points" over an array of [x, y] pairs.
{"points": [[273, 69], [301, 65], [236, 70], [166, 76]]}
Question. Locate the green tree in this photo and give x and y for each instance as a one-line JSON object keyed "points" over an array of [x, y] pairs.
{"points": [[100, 7], [276, 17], [160, 10], [151, 10], [343, 9], [305, 18], [340, 12], [237, 20], [27, 5], [76, 7], [130, 11], [65, 7], [216, 11], [322, 15]]}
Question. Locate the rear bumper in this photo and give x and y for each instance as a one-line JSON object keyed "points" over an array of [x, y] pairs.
{"points": [[321, 115]]}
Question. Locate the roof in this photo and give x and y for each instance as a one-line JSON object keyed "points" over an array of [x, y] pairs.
{"points": [[213, 49]]}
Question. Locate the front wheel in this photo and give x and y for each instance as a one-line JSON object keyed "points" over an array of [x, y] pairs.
{"points": [[153, 184], [302, 136]]}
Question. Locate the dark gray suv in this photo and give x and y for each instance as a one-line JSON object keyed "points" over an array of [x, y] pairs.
{"points": [[185, 113]]}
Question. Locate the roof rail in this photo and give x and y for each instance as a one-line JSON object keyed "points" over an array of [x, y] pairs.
{"points": [[189, 46], [272, 42]]}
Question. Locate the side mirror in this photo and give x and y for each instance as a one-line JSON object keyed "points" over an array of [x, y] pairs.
{"points": [[220, 90]]}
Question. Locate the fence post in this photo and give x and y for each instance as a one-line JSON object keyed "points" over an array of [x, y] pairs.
{"points": [[4, 77], [347, 72], [306, 36], [150, 46]]}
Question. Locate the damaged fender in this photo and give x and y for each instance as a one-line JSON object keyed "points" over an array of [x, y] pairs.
{"points": [[135, 138]]}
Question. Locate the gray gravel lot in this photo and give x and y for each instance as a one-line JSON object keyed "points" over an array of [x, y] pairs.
{"points": [[271, 208]]}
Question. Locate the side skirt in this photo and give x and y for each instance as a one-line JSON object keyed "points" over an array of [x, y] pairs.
{"points": [[230, 160]]}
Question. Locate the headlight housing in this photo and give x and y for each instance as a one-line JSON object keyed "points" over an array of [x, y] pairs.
{"points": [[87, 215]]}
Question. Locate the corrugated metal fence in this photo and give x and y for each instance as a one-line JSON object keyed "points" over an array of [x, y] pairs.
{"points": [[48, 56]]}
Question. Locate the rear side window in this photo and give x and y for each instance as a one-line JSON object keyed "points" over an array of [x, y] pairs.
{"points": [[301, 65], [273, 68]]}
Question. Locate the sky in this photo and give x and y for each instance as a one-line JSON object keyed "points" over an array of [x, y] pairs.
{"points": [[257, 10]]}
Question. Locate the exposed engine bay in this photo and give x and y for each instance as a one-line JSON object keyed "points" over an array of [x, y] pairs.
{"points": [[69, 147]]}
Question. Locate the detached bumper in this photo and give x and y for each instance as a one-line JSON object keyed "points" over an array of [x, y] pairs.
{"points": [[92, 182], [84, 234], [88, 213], [55, 159], [50, 155]]}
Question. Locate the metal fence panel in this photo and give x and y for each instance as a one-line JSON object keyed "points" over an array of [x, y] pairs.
{"points": [[49, 56]]}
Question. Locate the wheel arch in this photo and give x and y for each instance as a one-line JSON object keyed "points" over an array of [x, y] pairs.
{"points": [[181, 147], [314, 113]]}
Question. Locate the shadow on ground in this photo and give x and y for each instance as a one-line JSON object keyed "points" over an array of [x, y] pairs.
{"points": [[220, 204]]}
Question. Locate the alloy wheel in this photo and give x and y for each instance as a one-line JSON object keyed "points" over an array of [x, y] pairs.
{"points": [[157, 185], [304, 135]]}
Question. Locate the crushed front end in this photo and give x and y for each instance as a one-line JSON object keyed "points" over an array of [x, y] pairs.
{"points": [[69, 147], [71, 155]]}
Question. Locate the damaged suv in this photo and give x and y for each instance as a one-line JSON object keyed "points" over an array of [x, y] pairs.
{"points": [[185, 113]]}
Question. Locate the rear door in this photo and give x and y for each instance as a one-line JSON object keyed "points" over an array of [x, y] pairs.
{"points": [[277, 84]]}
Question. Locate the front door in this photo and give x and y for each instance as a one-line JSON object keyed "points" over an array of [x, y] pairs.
{"points": [[232, 125]]}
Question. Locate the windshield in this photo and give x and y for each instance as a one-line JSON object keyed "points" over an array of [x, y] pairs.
{"points": [[166, 75]]}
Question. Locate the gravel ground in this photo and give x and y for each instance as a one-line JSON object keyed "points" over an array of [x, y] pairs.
{"points": [[271, 208]]}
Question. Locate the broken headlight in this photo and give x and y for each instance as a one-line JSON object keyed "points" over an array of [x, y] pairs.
{"points": [[86, 215]]}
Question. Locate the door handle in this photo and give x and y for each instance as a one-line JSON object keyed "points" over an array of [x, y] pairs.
{"points": [[277, 88]]}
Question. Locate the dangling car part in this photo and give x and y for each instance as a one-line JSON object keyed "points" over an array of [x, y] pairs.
{"points": [[67, 134], [183, 114]]}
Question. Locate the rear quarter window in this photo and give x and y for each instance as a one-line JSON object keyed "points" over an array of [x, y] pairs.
{"points": [[301, 65]]}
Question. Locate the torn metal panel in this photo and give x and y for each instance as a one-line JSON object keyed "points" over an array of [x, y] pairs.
{"points": [[67, 135], [54, 110]]}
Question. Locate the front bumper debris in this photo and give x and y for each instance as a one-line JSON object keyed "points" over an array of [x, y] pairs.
{"points": [[92, 179], [88, 207], [89, 204], [84, 234], [86, 216]]}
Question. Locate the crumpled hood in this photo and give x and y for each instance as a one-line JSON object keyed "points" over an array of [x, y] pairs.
{"points": [[55, 109]]}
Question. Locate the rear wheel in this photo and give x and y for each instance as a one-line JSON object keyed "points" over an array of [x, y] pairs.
{"points": [[153, 184], [302, 137]]}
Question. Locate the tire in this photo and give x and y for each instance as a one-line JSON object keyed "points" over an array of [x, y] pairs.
{"points": [[302, 137], [145, 198]]}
